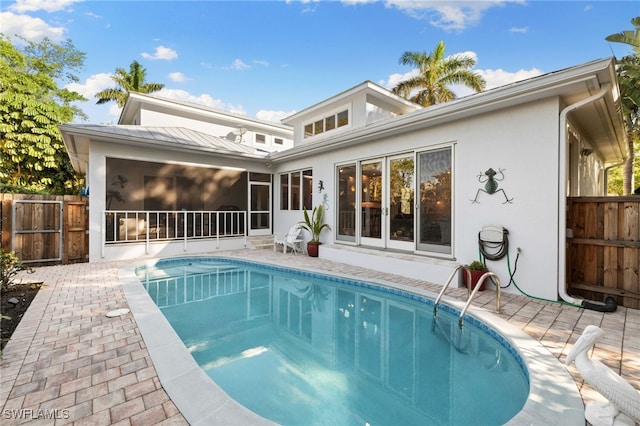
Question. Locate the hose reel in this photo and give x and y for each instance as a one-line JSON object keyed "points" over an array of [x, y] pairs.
{"points": [[493, 242]]}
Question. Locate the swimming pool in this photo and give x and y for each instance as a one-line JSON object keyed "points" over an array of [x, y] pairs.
{"points": [[349, 327]]}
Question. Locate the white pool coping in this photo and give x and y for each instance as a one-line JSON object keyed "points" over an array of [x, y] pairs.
{"points": [[553, 395]]}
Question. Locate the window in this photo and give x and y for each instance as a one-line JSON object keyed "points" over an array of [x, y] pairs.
{"points": [[262, 139], [328, 123], [296, 189], [284, 191], [343, 118], [308, 130], [278, 141], [307, 190]]}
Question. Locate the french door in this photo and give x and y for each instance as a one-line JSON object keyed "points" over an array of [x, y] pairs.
{"points": [[401, 202], [387, 202], [372, 194]]}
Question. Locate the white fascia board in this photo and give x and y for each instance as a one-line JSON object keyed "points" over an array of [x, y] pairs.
{"points": [[516, 93], [118, 138]]}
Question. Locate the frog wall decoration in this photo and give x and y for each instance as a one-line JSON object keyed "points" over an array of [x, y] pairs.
{"points": [[490, 180]]}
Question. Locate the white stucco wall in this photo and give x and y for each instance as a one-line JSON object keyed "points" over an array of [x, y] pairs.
{"points": [[523, 141]]}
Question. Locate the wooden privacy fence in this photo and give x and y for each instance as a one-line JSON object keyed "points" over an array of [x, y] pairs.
{"points": [[45, 230], [603, 248]]}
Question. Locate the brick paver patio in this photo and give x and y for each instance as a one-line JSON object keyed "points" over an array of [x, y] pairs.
{"points": [[67, 363]]}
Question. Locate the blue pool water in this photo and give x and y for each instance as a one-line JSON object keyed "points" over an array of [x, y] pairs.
{"points": [[303, 348]]}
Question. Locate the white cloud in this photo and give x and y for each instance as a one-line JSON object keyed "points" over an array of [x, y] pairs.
{"points": [[46, 5], [92, 85], [494, 78], [29, 27], [203, 99], [521, 30], [467, 54], [178, 77], [239, 65], [500, 77], [273, 116], [497, 78], [103, 114], [356, 2], [164, 53], [447, 15], [396, 78]]}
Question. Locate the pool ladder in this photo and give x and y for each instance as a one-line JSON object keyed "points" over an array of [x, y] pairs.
{"points": [[472, 293]]}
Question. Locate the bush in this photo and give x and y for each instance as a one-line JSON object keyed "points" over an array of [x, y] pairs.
{"points": [[11, 265]]}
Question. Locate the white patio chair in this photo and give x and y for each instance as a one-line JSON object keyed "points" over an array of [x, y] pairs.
{"points": [[291, 240]]}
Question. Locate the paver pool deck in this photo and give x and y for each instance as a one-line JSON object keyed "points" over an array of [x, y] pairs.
{"points": [[67, 363]]}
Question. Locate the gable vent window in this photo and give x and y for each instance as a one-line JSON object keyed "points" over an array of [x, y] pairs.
{"points": [[330, 122], [262, 139], [278, 141]]}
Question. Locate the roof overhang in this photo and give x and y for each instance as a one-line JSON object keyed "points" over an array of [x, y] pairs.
{"points": [[600, 121], [78, 138]]}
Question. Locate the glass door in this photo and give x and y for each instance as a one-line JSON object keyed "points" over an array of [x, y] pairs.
{"points": [[435, 209], [259, 204], [371, 206], [347, 195], [400, 217]]}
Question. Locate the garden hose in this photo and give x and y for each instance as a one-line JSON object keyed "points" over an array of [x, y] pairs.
{"points": [[495, 250], [512, 274]]}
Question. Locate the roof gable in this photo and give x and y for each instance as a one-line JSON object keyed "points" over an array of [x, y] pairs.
{"points": [[380, 96]]}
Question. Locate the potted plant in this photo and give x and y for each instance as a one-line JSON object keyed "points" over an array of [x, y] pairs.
{"points": [[314, 225], [476, 270]]}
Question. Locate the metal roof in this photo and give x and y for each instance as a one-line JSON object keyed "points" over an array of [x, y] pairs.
{"points": [[77, 137]]}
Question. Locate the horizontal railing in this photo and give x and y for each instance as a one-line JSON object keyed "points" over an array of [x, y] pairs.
{"points": [[130, 226]]}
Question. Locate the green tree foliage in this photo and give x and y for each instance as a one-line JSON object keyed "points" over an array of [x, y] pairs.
{"points": [[436, 74], [32, 105], [615, 181], [628, 69], [132, 81]]}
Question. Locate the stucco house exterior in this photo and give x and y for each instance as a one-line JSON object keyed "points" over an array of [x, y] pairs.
{"points": [[406, 189]]}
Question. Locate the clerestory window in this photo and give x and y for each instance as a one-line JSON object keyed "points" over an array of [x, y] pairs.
{"points": [[330, 122]]}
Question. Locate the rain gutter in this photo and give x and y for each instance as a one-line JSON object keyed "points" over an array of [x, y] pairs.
{"points": [[562, 190]]}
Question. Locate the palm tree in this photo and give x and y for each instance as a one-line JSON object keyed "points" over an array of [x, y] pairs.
{"points": [[629, 79], [436, 73], [132, 81]]}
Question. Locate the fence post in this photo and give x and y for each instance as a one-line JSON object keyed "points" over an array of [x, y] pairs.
{"points": [[6, 225]]}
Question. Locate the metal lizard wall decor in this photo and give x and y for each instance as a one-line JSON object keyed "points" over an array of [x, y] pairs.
{"points": [[491, 184]]}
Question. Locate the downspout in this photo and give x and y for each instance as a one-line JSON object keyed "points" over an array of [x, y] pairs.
{"points": [[610, 305]]}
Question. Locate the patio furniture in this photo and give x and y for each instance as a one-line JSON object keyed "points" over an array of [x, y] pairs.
{"points": [[290, 239]]}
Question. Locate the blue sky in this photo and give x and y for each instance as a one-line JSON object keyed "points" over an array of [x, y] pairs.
{"points": [[269, 59]]}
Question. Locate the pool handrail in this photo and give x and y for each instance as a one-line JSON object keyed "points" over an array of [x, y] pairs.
{"points": [[476, 289], [472, 294], [444, 288]]}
